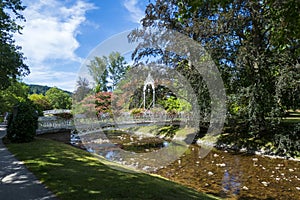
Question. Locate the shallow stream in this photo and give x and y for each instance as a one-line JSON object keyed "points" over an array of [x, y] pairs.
{"points": [[226, 174]]}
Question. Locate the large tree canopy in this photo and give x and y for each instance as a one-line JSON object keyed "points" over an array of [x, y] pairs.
{"points": [[11, 59], [17, 92], [107, 71], [255, 45], [59, 99]]}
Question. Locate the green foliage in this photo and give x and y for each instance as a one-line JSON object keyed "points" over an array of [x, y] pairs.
{"points": [[176, 104], [107, 71], [137, 112], [282, 140], [38, 89], [59, 99], [255, 45], [168, 131], [41, 102], [22, 123], [15, 93], [11, 62], [286, 140], [41, 89], [97, 69], [116, 69]]}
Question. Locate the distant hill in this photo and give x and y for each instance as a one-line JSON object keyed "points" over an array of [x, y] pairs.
{"points": [[41, 89]]}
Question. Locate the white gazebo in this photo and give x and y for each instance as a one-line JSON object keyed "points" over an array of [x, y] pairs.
{"points": [[149, 81]]}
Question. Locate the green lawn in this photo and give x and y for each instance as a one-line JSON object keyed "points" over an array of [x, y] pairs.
{"points": [[72, 173]]}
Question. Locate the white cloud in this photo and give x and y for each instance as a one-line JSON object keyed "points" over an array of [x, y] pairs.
{"points": [[49, 40], [60, 79], [136, 13], [51, 29]]}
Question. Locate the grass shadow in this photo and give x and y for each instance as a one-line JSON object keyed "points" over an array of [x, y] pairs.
{"points": [[72, 173]]}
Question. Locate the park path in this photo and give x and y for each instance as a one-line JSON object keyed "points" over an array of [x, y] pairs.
{"points": [[16, 182]]}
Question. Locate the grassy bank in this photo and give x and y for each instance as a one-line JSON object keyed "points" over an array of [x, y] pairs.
{"points": [[154, 130], [72, 173]]}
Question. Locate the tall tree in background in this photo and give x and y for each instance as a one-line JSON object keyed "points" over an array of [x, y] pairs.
{"points": [[255, 45], [116, 69], [107, 71], [82, 89], [98, 70], [11, 60]]}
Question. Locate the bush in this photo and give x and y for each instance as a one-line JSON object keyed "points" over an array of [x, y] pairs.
{"points": [[137, 112], [22, 123]]}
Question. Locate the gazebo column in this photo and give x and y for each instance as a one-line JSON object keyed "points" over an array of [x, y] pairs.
{"points": [[153, 96], [144, 98]]}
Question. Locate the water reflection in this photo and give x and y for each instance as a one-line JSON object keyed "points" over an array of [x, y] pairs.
{"points": [[230, 183], [110, 155], [148, 153], [231, 180], [236, 176], [165, 144]]}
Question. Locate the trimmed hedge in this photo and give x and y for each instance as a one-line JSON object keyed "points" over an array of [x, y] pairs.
{"points": [[22, 123]]}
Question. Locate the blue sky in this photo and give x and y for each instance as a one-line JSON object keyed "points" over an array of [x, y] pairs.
{"points": [[59, 34]]}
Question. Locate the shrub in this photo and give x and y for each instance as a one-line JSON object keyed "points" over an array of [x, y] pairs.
{"points": [[137, 112], [22, 123]]}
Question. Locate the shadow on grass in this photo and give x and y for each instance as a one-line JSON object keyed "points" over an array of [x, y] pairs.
{"points": [[72, 173]]}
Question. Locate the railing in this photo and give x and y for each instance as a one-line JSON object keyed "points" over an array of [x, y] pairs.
{"points": [[45, 123], [56, 111], [50, 123]]}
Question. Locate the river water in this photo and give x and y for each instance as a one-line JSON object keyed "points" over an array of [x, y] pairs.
{"points": [[236, 176], [225, 174]]}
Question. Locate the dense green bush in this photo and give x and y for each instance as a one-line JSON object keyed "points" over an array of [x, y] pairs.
{"points": [[22, 123]]}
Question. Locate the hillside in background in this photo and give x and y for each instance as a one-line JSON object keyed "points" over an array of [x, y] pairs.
{"points": [[41, 89]]}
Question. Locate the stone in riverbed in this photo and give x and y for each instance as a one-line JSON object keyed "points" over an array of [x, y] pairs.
{"points": [[265, 183], [216, 155], [245, 188], [210, 173]]}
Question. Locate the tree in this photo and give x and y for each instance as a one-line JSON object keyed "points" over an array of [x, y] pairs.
{"points": [[107, 71], [59, 99], [97, 69], [173, 104], [116, 69], [103, 103], [95, 105], [11, 62], [253, 43], [40, 101], [15, 93], [38, 89], [82, 89], [22, 123]]}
